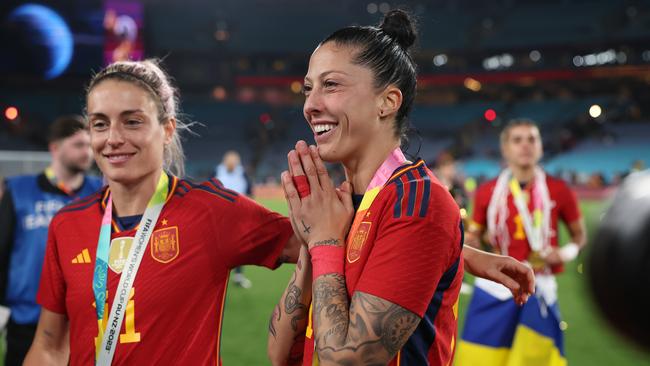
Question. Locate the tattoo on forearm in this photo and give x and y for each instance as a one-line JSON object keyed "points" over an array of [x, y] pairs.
{"points": [[329, 289], [331, 306], [398, 324], [372, 331], [275, 317], [307, 229], [292, 304], [331, 242]]}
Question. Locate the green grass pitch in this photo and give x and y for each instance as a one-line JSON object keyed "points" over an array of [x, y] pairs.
{"points": [[589, 341]]}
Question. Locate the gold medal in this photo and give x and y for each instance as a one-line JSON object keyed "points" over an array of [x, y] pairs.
{"points": [[537, 261]]}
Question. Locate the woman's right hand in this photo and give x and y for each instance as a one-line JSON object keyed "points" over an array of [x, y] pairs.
{"points": [[326, 212]]}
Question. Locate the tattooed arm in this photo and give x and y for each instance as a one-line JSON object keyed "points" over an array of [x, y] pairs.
{"points": [[289, 319], [369, 333], [369, 329]]}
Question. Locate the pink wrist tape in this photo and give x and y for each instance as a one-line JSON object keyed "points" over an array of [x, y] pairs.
{"points": [[326, 259]]}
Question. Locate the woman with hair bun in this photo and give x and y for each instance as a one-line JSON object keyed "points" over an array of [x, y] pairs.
{"points": [[379, 280]]}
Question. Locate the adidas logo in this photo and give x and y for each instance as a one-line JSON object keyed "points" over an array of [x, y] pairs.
{"points": [[83, 257]]}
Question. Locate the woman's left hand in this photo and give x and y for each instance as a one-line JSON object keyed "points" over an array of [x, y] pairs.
{"points": [[325, 214]]}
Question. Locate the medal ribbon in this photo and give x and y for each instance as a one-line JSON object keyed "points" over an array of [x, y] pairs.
{"points": [[108, 340], [382, 176], [532, 225]]}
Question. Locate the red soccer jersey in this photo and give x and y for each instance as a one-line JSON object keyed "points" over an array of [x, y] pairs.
{"points": [[564, 205], [408, 251], [174, 313]]}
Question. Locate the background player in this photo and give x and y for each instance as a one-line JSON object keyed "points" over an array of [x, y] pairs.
{"points": [[27, 206], [232, 175], [520, 211]]}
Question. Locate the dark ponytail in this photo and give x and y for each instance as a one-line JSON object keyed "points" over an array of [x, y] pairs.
{"points": [[385, 51]]}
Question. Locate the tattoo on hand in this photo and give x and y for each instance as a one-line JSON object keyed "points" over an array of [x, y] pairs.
{"points": [[307, 229], [331, 242]]}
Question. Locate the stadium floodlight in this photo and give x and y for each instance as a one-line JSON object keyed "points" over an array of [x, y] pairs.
{"points": [[578, 61], [595, 111], [591, 59], [11, 113], [535, 55], [506, 60], [472, 84], [296, 87], [440, 60]]}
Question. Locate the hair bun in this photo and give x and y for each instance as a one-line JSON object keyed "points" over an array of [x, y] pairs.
{"points": [[398, 25]]}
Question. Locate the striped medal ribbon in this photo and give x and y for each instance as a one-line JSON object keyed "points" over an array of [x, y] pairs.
{"points": [[108, 339]]}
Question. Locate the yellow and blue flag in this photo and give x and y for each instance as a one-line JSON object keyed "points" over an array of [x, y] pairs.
{"points": [[497, 332]]}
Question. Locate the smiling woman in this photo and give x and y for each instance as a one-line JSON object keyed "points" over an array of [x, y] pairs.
{"points": [[143, 90], [357, 76], [378, 282], [160, 239]]}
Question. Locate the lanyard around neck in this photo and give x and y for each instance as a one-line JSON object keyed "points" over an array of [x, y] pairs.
{"points": [[108, 340]]}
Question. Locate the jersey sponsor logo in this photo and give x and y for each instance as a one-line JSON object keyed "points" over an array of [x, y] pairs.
{"points": [[360, 236], [164, 244], [119, 250], [82, 258]]}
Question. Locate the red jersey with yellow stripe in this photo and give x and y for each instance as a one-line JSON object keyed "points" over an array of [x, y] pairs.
{"points": [[175, 309], [405, 246]]}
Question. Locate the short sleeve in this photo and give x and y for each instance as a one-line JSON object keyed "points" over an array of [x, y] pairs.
{"points": [[252, 233], [569, 210], [411, 255], [52, 289]]}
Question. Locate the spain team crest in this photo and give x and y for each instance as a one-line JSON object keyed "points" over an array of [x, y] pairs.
{"points": [[164, 244], [359, 238]]}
